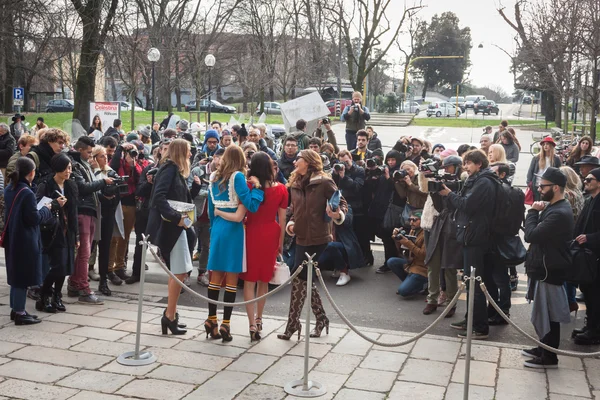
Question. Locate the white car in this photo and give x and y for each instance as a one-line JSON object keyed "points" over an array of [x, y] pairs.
{"points": [[126, 106], [412, 107], [443, 109], [471, 100]]}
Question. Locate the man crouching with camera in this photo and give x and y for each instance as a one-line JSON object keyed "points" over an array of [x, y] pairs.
{"points": [[410, 269]]}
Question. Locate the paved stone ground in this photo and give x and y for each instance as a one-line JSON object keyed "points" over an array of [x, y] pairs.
{"points": [[73, 356]]}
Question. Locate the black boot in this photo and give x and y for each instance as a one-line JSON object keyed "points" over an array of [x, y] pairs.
{"points": [[297, 298], [45, 304], [580, 330], [103, 288], [57, 302], [589, 337]]}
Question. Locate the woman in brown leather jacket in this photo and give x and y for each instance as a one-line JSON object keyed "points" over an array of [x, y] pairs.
{"points": [[310, 190]]}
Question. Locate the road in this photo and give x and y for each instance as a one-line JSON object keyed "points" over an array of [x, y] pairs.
{"points": [[506, 111], [370, 299]]}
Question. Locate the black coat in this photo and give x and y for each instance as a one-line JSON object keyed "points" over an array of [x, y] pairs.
{"points": [[549, 234], [111, 131], [42, 166], [345, 235], [87, 186], [352, 187], [588, 223], [7, 148], [474, 209], [286, 165], [22, 241], [443, 236], [162, 227], [533, 179]]}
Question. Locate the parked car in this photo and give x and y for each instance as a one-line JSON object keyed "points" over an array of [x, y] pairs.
{"points": [[215, 107], [343, 103], [126, 106], [271, 107], [60, 106], [526, 100], [412, 107], [486, 107], [461, 102], [444, 109], [471, 100]]}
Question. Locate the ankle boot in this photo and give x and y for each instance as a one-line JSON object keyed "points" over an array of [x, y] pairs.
{"points": [[296, 303], [57, 302], [45, 304], [317, 308]]}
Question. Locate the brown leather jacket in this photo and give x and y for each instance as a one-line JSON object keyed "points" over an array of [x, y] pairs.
{"points": [[308, 211], [416, 253]]}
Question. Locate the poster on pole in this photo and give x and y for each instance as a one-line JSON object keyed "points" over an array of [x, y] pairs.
{"points": [[108, 112]]}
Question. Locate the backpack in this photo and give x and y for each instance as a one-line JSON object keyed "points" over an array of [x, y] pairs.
{"points": [[509, 210], [300, 141]]}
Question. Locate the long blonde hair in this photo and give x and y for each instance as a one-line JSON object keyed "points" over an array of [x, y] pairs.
{"points": [[315, 167], [542, 157], [179, 150], [233, 160], [498, 152]]}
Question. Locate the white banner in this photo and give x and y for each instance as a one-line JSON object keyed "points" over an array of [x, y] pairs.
{"points": [[108, 112]]}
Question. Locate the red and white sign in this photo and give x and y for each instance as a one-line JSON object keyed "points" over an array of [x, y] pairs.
{"points": [[108, 112]]}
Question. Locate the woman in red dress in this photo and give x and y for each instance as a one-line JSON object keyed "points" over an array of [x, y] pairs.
{"points": [[265, 230]]}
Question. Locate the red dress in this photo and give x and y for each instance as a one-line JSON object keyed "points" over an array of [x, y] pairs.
{"points": [[263, 235]]}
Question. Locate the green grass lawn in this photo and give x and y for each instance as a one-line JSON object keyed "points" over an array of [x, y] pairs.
{"points": [[57, 120], [469, 123]]}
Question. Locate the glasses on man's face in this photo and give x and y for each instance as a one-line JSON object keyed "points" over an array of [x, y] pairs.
{"points": [[588, 180], [413, 219], [211, 142], [541, 186]]}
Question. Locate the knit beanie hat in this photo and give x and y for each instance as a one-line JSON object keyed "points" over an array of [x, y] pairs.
{"points": [[132, 136], [448, 152], [211, 133]]}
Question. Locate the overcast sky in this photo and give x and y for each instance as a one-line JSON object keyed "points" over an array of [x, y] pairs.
{"points": [[489, 65]]}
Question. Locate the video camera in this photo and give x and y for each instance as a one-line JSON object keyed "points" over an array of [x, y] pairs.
{"points": [[119, 186], [451, 181], [373, 169], [402, 234], [430, 166]]}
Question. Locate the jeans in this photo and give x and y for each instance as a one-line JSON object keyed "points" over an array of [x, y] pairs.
{"points": [[334, 257], [434, 274], [79, 279], [107, 225], [300, 257], [497, 281], [18, 297], [350, 140], [475, 257], [571, 290], [362, 228], [122, 244], [412, 284]]}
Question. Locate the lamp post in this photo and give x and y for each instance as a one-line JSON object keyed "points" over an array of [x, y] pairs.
{"points": [[153, 57], [209, 60]]}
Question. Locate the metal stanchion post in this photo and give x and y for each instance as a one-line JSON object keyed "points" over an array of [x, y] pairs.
{"points": [[304, 387], [134, 358], [470, 305]]}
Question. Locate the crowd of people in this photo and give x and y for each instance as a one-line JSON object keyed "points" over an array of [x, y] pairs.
{"points": [[234, 205]]}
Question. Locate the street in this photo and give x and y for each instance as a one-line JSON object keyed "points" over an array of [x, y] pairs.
{"points": [[506, 111]]}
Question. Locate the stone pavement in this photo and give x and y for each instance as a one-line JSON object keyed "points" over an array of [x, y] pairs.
{"points": [[73, 356]]}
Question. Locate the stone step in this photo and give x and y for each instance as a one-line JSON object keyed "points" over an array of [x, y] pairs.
{"points": [[391, 119]]}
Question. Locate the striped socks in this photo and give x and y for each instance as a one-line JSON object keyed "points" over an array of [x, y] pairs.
{"points": [[228, 297], [213, 293]]}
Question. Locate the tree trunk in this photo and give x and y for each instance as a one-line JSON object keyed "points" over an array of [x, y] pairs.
{"points": [[85, 85], [558, 112], [595, 100]]}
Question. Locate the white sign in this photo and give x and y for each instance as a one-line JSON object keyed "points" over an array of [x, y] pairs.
{"points": [[18, 96], [310, 108], [108, 112]]}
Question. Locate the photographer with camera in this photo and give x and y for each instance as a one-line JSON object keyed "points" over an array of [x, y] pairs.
{"points": [[444, 252], [324, 125], [418, 152], [361, 152], [475, 205], [409, 266], [406, 183], [209, 148], [355, 116], [129, 161]]}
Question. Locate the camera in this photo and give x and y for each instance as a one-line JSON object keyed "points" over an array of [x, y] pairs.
{"points": [[339, 167], [373, 170], [430, 166], [133, 153], [372, 163], [152, 171], [402, 233], [451, 181], [326, 121], [356, 107], [399, 175], [119, 186]]}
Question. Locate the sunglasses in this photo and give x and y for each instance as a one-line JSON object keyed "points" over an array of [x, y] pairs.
{"points": [[588, 180], [413, 219]]}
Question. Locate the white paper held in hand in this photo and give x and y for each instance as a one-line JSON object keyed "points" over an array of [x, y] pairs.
{"points": [[43, 201]]}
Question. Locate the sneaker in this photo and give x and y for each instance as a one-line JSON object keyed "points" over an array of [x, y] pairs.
{"points": [[443, 299], [344, 279], [461, 325], [429, 309], [187, 281], [196, 256], [121, 273], [383, 269], [498, 320], [533, 352], [114, 279], [90, 299], [589, 337], [475, 336], [514, 282], [540, 362], [93, 275], [203, 279], [335, 273]]}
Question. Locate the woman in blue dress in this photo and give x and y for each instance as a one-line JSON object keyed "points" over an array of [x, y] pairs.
{"points": [[227, 256]]}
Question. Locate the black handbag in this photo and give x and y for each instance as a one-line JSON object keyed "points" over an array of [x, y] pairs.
{"points": [[511, 250], [584, 264], [393, 216]]}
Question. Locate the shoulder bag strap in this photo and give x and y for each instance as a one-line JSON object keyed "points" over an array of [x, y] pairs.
{"points": [[11, 208]]}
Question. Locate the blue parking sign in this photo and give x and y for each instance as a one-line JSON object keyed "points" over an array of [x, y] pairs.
{"points": [[18, 96]]}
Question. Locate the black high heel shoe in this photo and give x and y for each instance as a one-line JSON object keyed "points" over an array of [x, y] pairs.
{"points": [[166, 323], [182, 326], [225, 332], [212, 329], [254, 334]]}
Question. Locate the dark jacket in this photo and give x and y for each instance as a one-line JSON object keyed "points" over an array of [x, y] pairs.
{"points": [[286, 165], [355, 121], [111, 131], [588, 223], [474, 209], [351, 186], [549, 234], [8, 147], [384, 189], [122, 168], [344, 234], [443, 235], [154, 136], [163, 220], [330, 139], [64, 231], [358, 157], [532, 179], [374, 143], [512, 152], [87, 186], [42, 165], [144, 188], [22, 241]]}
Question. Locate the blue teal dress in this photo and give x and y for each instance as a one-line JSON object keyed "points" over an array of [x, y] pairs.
{"points": [[227, 239]]}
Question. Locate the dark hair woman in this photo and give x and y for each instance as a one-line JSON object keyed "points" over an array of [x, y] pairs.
{"points": [[264, 237], [166, 226], [60, 238], [583, 148], [96, 124], [229, 193], [22, 243], [310, 189]]}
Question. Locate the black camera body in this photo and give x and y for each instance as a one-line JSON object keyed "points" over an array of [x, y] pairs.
{"points": [[451, 181], [356, 107], [133, 153], [399, 175], [402, 233], [119, 186], [374, 171], [326, 121], [430, 166], [339, 167]]}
